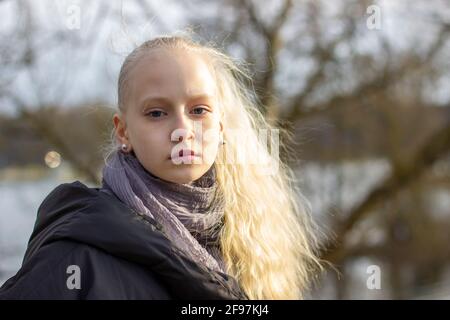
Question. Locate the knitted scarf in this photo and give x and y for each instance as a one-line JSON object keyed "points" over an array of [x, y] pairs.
{"points": [[191, 214]]}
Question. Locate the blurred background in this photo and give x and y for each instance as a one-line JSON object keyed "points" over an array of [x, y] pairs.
{"points": [[364, 86]]}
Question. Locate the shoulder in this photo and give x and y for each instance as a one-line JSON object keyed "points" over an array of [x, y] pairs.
{"points": [[70, 195], [72, 270], [73, 189]]}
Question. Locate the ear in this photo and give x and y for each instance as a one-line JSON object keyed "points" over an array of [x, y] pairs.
{"points": [[121, 128]]}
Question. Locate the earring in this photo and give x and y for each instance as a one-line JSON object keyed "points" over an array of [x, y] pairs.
{"points": [[124, 147]]}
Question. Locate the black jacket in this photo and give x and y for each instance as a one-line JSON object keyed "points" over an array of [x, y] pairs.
{"points": [[87, 244]]}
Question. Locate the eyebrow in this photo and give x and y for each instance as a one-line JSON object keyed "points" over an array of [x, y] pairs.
{"points": [[163, 99]]}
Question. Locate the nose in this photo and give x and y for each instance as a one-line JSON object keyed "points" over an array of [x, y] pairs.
{"points": [[183, 129]]}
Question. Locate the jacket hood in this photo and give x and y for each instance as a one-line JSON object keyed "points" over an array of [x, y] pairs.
{"points": [[73, 211]]}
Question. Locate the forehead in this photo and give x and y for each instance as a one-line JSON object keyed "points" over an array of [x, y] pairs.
{"points": [[173, 73]]}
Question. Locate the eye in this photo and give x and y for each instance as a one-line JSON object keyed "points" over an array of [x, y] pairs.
{"points": [[155, 113], [199, 110]]}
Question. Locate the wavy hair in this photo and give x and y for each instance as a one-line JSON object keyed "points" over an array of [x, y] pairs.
{"points": [[268, 239]]}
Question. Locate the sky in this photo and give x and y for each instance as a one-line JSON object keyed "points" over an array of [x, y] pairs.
{"points": [[70, 73]]}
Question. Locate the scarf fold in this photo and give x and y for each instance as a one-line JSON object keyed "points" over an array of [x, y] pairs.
{"points": [[191, 215]]}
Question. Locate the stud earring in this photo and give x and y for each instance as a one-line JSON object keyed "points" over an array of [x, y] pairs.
{"points": [[124, 147]]}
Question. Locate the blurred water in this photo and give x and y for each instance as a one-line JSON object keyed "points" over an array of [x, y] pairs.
{"points": [[19, 201]]}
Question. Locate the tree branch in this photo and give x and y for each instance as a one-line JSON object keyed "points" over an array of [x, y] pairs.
{"points": [[402, 175]]}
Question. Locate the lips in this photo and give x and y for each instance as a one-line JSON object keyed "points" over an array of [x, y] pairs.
{"points": [[186, 152]]}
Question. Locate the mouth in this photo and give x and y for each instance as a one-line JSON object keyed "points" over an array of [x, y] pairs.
{"points": [[184, 153]]}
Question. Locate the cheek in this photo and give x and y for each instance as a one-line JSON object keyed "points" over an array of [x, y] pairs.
{"points": [[210, 144], [148, 140]]}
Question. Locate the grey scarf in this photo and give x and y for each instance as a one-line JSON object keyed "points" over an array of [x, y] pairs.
{"points": [[191, 214]]}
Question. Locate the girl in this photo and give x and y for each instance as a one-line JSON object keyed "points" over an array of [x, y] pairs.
{"points": [[187, 207]]}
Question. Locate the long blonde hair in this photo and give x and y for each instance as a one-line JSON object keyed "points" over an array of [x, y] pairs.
{"points": [[267, 240]]}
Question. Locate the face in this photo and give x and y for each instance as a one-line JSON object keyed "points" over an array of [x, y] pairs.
{"points": [[171, 112]]}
